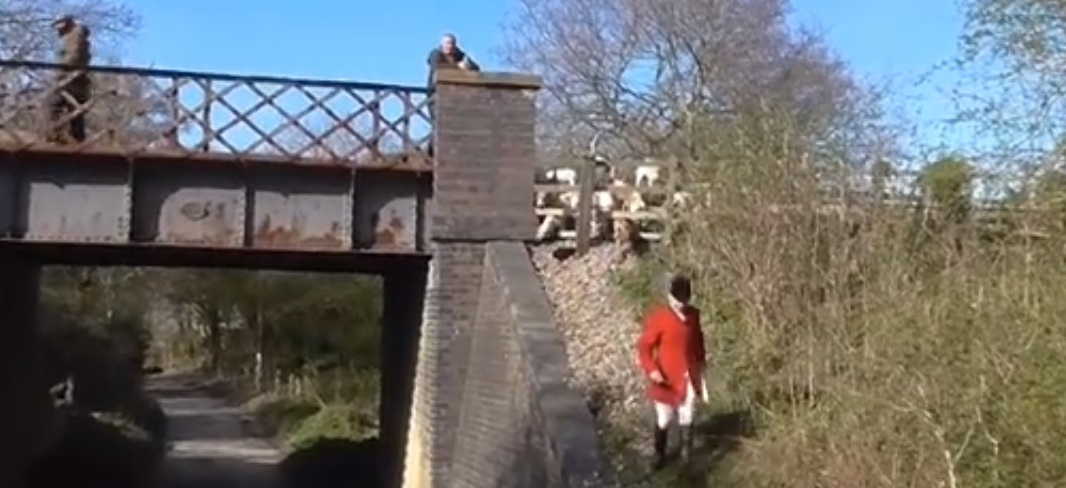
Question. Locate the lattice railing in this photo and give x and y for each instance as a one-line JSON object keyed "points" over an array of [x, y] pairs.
{"points": [[136, 111]]}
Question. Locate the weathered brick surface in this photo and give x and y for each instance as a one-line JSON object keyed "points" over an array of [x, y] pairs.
{"points": [[521, 424], [485, 153], [449, 313], [491, 407]]}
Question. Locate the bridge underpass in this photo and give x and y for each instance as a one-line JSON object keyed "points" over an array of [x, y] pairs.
{"points": [[476, 392]]}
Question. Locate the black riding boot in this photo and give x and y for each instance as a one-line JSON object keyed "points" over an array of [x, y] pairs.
{"points": [[686, 444], [660, 448]]}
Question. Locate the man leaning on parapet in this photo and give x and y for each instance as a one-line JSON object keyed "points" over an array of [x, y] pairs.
{"points": [[449, 55], [68, 101], [446, 56]]}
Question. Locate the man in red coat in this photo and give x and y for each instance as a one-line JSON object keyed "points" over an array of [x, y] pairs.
{"points": [[672, 356]]}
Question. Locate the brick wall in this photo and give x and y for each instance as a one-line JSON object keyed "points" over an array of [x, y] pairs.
{"points": [[521, 425], [490, 406]]}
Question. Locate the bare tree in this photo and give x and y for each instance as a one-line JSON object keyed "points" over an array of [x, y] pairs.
{"points": [[1011, 88], [125, 107], [359, 140], [663, 77], [26, 32], [131, 109], [766, 118]]}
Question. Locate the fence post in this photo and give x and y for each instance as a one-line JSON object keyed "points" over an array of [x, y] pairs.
{"points": [[209, 131], [673, 180], [172, 135], [584, 211]]}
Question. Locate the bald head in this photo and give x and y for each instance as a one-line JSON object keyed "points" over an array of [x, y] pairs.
{"points": [[448, 43]]}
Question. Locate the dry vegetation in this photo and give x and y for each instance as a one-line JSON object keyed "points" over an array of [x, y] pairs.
{"points": [[886, 348], [873, 345]]}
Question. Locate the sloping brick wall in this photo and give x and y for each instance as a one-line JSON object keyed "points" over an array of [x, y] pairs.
{"points": [[521, 425], [490, 404]]}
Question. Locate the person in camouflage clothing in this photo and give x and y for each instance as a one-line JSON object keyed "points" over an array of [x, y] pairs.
{"points": [[73, 87]]}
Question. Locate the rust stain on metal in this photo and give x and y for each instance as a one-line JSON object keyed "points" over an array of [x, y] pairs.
{"points": [[196, 210], [390, 233], [215, 240], [267, 234], [210, 228]]}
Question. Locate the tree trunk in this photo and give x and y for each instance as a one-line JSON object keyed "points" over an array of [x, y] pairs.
{"points": [[257, 325], [214, 338]]}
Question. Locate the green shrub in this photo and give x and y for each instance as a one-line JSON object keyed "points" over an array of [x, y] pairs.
{"points": [[104, 360], [102, 348], [337, 421], [641, 284], [278, 416]]}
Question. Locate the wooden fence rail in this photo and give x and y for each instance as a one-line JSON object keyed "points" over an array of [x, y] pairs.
{"points": [[659, 200], [133, 111], [576, 193]]}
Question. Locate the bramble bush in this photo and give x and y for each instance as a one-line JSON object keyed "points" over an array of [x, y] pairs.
{"points": [[878, 344]]}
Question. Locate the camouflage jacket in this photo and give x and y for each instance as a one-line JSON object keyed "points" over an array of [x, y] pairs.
{"points": [[74, 52]]}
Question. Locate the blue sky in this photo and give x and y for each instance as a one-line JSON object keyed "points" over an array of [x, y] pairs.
{"points": [[361, 40], [900, 42], [885, 40]]}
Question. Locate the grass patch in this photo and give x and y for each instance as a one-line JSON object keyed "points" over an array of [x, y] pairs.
{"points": [[279, 416], [300, 422], [329, 444], [336, 421]]}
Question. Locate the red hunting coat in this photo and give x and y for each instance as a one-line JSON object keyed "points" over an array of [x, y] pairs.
{"points": [[675, 348]]}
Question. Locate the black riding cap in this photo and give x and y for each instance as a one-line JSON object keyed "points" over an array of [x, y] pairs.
{"points": [[681, 287]]}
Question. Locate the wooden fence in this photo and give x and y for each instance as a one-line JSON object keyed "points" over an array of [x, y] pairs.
{"points": [[656, 219], [652, 183]]}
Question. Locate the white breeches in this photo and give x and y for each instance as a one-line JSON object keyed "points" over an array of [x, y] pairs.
{"points": [[684, 413]]}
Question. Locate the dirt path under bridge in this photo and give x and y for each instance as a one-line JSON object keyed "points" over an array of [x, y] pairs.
{"points": [[212, 444]]}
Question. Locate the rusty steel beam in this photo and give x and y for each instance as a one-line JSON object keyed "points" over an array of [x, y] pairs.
{"points": [[146, 201]]}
